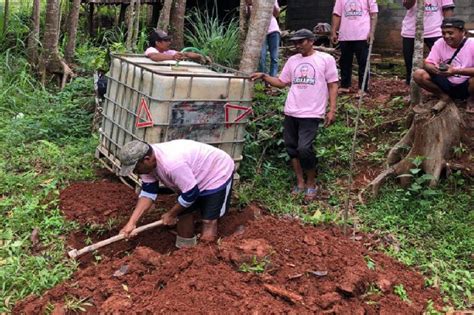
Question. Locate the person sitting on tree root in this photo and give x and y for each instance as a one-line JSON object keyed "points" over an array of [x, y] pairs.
{"points": [[449, 68], [159, 49], [312, 77], [200, 173]]}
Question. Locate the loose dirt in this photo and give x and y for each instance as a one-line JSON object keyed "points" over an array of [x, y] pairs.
{"points": [[261, 264]]}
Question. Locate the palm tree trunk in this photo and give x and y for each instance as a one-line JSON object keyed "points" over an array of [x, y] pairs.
{"points": [[72, 22], [137, 25], [33, 37], [415, 94], [177, 23], [6, 11], [259, 22], [164, 19], [131, 20]]}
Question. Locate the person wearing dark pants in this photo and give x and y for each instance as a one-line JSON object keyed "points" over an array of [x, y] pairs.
{"points": [[355, 21], [435, 11], [359, 48], [312, 77]]}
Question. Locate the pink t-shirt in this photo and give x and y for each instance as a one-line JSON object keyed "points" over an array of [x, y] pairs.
{"points": [[432, 19], [442, 52], [308, 76], [355, 18], [153, 50], [183, 164], [273, 22]]}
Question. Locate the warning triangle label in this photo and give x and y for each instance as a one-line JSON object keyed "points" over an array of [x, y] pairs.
{"points": [[143, 118], [242, 112]]}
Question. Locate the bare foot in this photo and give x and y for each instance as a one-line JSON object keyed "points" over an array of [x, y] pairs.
{"points": [[343, 90]]}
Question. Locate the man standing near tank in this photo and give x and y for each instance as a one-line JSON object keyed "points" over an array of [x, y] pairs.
{"points": [[435, 10], [201, 174], [159, 49], [355, 20], [312, 78]]}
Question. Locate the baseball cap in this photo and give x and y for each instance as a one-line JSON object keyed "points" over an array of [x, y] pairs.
{"points": [[130, 154], [162, 35], [302, 34], [452, 22]]}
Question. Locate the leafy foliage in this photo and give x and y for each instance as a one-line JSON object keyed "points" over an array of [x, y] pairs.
{"points": [[214, 38]]}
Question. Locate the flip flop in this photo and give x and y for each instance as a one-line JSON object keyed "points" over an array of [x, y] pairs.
{"points": [[343, 90], [297, 190], [310, 194]]}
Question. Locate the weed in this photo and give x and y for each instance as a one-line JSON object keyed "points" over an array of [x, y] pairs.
{"points": [[255, 266], [75, 304], [400, 291], [370, 262], [430, 309]]}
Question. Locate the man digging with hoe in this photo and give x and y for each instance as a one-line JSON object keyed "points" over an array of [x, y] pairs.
{"points": [[201, 174]]}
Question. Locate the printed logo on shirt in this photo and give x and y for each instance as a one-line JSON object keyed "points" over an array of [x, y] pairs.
{"points": [[304, 74], [431, 7], [353, 9]]}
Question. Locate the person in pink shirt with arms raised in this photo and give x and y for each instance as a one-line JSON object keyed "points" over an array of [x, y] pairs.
{"points": [[201, 174], [435, 10], [312, 78], [356, 21], [449, 69]]}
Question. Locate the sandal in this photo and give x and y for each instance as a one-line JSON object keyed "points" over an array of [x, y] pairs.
{"points": [[297, 190], [310, 194]]}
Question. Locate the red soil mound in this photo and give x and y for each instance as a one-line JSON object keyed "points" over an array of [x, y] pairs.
{"points": [[270, 265]]}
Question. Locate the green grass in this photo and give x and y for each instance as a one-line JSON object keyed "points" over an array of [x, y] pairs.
{"points": [[46, 143]]}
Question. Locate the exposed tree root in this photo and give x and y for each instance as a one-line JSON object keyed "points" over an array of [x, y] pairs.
{"points": [[431, 136]]}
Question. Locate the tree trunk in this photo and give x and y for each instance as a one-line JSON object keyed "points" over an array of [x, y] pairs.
{"points": [[243, 23], [6, 12], [72, 22], [164, 19], [415, 93], [431, 136], [177, 23], [137, 25], [50, 61], [131, 20], [259, 22], [33, 37]]}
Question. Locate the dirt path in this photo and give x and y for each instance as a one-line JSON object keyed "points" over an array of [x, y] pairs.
{"points": [[261, 264]]}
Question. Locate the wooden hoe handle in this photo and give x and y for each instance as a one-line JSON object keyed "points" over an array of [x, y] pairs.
{"points": [[74, 253]]}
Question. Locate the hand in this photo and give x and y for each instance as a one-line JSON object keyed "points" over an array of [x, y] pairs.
{"points": [[169, 218], [178, 56], [370, 38], [334, 38], [127, 229], [448, 73], [330, 117], [256, 76]]}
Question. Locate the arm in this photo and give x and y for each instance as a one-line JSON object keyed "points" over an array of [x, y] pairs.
{"points": [[373, 26], [431, 68], [276, 11], [331, 115], [161, 57], [195, 56], [273, 81], [336, 23], [469, 72], [143, 204], [408, 4], [448, 12]]}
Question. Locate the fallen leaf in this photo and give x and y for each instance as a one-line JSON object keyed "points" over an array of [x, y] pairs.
{"points": [[318, 273], [121, 271]]}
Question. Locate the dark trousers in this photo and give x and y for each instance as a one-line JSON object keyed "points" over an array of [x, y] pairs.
{"points": [[408, 51], [299, 135], [361, 50]]}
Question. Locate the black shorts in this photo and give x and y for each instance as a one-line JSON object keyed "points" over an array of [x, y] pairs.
{"points": [[455, 91], [212, 206]]}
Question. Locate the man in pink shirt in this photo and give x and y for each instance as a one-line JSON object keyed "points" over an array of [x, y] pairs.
{"points": [[435, 10], [356, 21], [159, 49], [312, 78], [449, 69], [201, 174]]}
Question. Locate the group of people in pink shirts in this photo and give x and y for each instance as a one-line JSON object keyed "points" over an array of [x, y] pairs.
{"points": [[202, 175]]}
